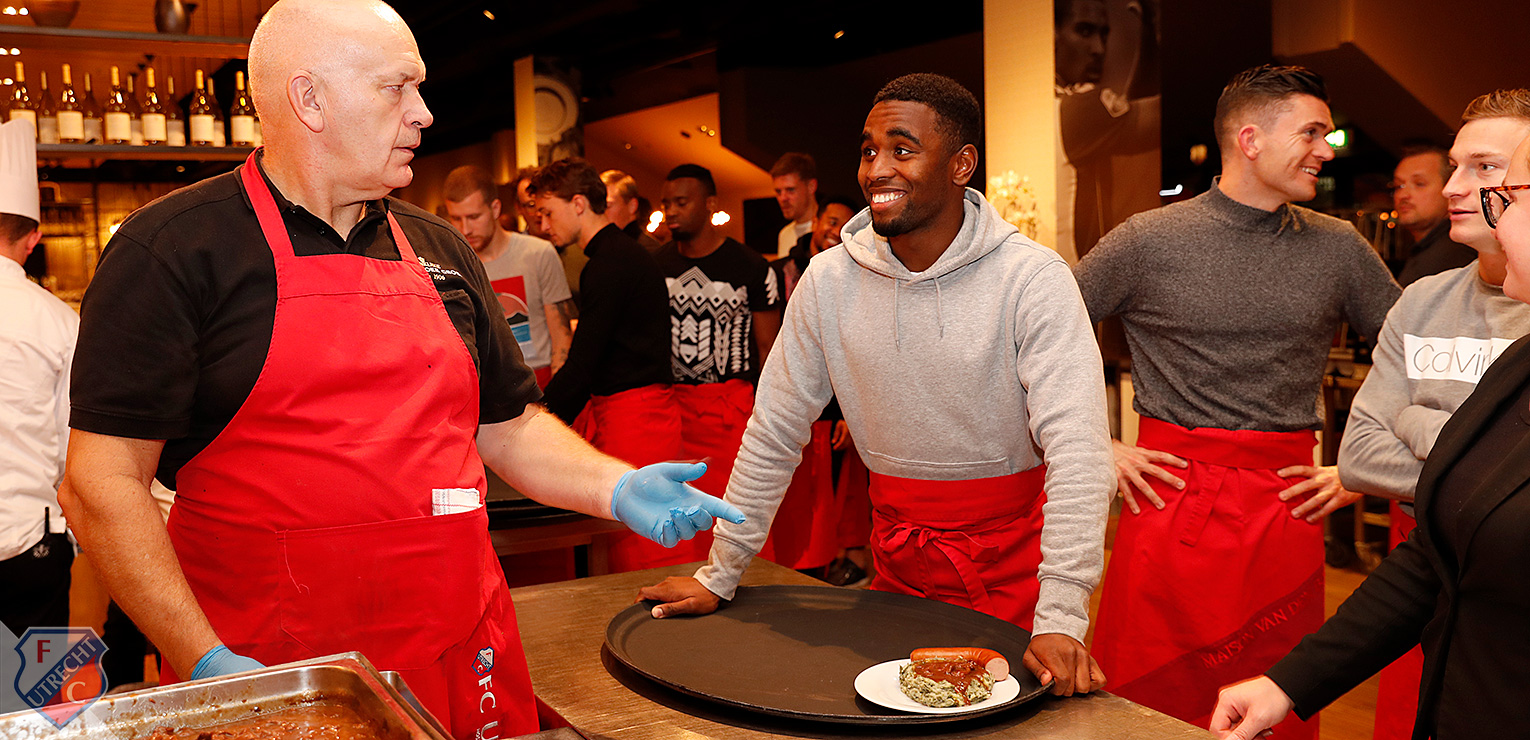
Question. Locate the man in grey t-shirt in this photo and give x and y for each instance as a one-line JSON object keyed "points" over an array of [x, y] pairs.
{"points": [[1229, 302], [525, 271]]}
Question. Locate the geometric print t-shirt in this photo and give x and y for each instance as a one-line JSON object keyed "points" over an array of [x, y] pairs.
{"points": [[711, 306]]}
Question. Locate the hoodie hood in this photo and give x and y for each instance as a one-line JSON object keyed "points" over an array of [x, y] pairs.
{"points": [[982, 232]]}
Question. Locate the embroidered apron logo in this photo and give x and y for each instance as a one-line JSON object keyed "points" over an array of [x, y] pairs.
{"points": [[60, 673], [484, 662]]}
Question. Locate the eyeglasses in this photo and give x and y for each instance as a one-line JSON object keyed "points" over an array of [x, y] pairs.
{"points": [[1495, 200]]}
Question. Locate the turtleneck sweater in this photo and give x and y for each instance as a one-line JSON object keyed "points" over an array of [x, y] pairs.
{"points": [[1230, 310]]}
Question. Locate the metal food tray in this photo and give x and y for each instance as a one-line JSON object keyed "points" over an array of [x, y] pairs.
{"points": [[348, 679]]}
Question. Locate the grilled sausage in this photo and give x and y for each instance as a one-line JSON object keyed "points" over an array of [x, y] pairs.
{"points": [[997, 666]]}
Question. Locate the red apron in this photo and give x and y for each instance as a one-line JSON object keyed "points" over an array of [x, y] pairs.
{"points": [[1218, 585], [1397, 688], [306, 527], [712, 421], [973, 543], [640, 426], [804, 533], [854, 500]]}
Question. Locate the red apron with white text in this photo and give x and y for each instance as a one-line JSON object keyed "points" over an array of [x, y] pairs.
{"points": [[306, 527], [805, 531], [1397, 686], [641, 427], [973, 543], [1218, 585]]}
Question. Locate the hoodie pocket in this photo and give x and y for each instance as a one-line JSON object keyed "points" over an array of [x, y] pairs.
{"points": [[949, 465]]}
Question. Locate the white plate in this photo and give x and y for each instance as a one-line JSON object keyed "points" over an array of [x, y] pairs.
{"points": [[879, 685]]}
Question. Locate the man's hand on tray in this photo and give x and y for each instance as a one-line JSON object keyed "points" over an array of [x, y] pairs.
{"points": [[1064, 660], [679, 595]]}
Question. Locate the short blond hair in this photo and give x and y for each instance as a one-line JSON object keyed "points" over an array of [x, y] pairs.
{"points": [[1507, 103], [625, 186]]}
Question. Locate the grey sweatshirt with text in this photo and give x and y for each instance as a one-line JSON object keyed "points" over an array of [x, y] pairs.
{"points": [[983, 365], [1437, 341]]}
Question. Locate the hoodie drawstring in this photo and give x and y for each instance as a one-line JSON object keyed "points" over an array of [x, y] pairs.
{"points": [[940, 320], [897, 332]]}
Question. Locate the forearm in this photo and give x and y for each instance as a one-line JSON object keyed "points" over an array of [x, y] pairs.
{"points": [[1374, 461], [1419, 427], [118, 524], [543, 458], [559, 334]]}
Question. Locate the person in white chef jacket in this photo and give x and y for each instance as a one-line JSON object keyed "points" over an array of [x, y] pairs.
{"points": [[37, 336]]}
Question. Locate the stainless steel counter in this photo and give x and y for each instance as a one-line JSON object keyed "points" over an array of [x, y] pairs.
{"points": [[563, 626]]}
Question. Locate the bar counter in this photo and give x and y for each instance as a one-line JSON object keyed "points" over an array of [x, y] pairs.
{"points": [[563, 626]]}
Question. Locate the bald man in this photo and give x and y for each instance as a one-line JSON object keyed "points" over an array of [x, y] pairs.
{"points": [[321, 372]]}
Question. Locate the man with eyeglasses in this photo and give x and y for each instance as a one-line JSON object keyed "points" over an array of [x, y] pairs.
{"points": [[1418, 186], [1437, 342]]}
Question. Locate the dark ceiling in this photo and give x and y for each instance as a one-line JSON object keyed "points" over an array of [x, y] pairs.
{"points": [[623, 55]]}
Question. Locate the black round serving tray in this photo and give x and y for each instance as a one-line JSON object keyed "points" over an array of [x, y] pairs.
{"points": [[794, 651]]}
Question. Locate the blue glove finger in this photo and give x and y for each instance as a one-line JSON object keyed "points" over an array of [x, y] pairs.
{"points": [[665, 534], [682, 522], [682, 472], [721, 509], [699, 518]]}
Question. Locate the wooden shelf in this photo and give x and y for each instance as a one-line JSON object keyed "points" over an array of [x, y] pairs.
{"points": [[99, 152], [126, 42]]}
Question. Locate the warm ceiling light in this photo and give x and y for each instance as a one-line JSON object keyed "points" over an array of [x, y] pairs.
{"points": [[720, 218], [8, 81], [5, 52], [488, 14], [23, 11], [654, 219], [839, 34], [626, 145], [9, 10], [15, 51]]}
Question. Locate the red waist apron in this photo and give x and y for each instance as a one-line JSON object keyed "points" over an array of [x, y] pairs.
{"points": [[1397, 687], [853, 497], [640, 426], [1218, 585], [306, 527], [804, 533], [974, 543], [712, 421]]}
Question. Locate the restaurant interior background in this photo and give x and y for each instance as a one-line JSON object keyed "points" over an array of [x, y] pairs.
{"points": [[641, 86]]}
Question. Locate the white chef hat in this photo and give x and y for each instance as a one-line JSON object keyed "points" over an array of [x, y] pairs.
{"points": [[18, 169]]}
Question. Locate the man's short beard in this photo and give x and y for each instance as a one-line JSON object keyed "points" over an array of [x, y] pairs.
{"points": [[895, 226], [680, 235]]}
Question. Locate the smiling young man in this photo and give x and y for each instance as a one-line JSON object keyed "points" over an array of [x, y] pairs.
{"points": [[965, 363], [524, 270], [1229, 301], [1438, 340]]}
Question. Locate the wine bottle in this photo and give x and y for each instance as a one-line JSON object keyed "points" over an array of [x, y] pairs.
{"points": [[241, 117], [118, 119], [22, 104], [47, 113], [95, 131], [154, 129], [220, 125], [135, 109], [175, 123], [71, 115], [201, 115]]}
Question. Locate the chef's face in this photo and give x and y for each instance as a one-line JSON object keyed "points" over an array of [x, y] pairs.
{"points": [[794, 195], [476, 219], [687, 208], [1514, 226], [908, 171], [373, 101], [1080, 50], [1291, 148], [1418, 191], [826, 227], [1481, 155], [560, 217]]}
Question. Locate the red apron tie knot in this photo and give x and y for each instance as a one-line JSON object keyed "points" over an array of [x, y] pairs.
{"points": [[959, 548]]}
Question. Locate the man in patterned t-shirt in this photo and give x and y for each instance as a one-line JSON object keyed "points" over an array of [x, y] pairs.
{"points": [[725, 309]]}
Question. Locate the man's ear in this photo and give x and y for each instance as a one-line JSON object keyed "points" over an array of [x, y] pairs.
{"points": [[964, 165], [1250, 141], [306, 100], [31, 243], [711, 204], [494, 208]]}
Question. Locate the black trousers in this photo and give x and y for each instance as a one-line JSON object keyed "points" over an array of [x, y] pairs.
{"points": [[36, 585]]}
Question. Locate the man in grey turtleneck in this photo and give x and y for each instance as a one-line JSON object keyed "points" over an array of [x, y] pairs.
{"points": [[1229, 301]]}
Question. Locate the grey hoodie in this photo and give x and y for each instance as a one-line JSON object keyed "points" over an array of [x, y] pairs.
{"points": [[983, 365]]}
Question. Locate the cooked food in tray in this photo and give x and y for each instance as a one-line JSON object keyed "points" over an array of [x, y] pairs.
{"points": [[315, 722]]}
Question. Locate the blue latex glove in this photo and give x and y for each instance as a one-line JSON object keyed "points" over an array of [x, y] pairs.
{"points": [[220, 661], [655, 502]]}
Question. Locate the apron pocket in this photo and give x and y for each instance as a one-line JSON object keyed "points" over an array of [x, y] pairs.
{"points": [[402, 592]]}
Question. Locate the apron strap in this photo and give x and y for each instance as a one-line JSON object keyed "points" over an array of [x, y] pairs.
{"points": [[960, 548]]}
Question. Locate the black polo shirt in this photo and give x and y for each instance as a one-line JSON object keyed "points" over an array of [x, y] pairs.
{"points": [[177, 322], [623, 337]]}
